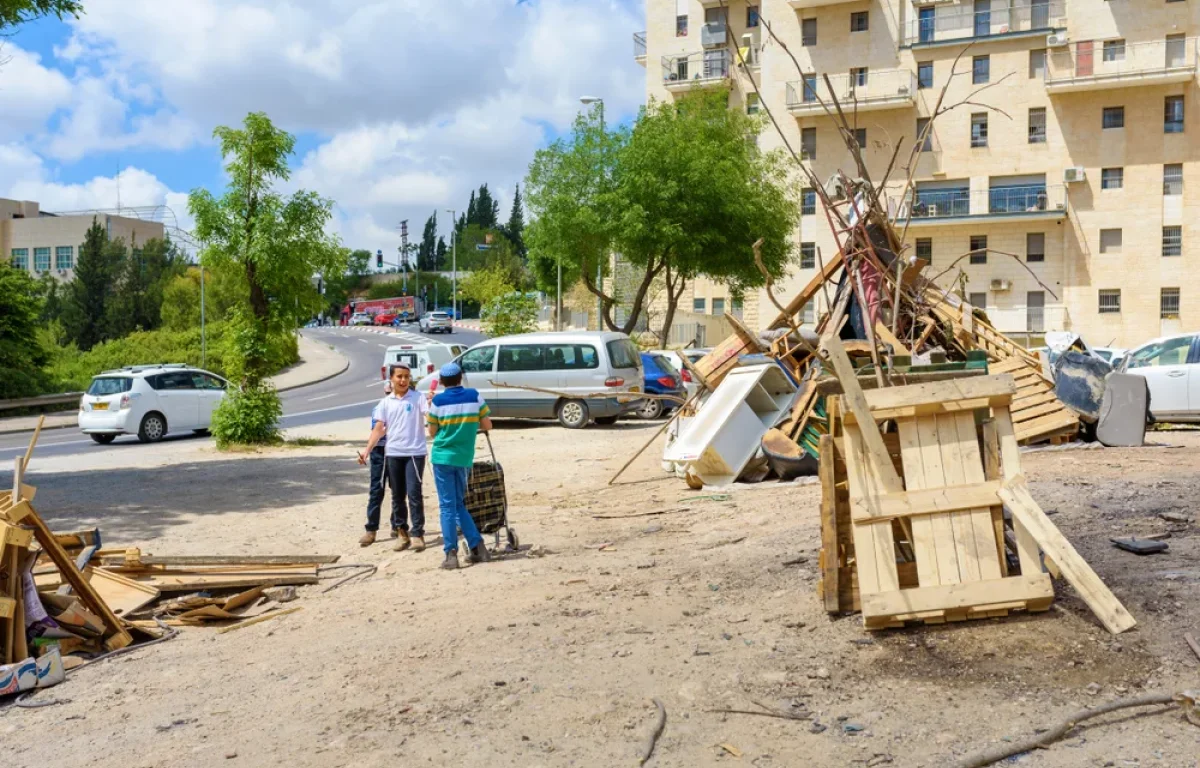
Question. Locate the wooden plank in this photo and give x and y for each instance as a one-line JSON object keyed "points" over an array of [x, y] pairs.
{"points": [[18, 513], [979, 534], [1045, 409], [934, 409], [197, 582], [991, 470], [37, 431], [826, 470], [123, 595], [1076, 570], [217, 560], [1046, 426], [18, 471], [1025, 401], [934, 475], [1010, 467], [954, 473], [926, 502], [855, 401], [924, 539], [115, 635], [8, 607], [884, 334], [948, 597], [807, 293], [11, 535], [874, 545], [967, 388]]}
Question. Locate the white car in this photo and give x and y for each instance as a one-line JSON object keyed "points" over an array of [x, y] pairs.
{"points": [[361, 318], [1171, 367], [149, 401], [421, 359], [436, 322], [676, 357]]}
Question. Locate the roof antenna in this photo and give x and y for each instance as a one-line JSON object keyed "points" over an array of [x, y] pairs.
{"points": [[118, 186]]}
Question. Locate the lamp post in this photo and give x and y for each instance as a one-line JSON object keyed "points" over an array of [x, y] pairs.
{"points": [[453, 264], [599, 274]]}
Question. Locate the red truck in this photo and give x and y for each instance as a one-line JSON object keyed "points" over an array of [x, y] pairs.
{"points": [[404, 307]]}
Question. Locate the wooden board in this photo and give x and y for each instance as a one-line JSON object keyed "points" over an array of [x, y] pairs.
{"points": [[124, 596], [994, 389], [926, 502], [874, 545], [191, 582], [980, 595], [830, 555], [855, 401]]}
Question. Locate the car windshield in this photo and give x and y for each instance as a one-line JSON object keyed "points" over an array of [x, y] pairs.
{"points": [[665, 365], [622, 354], [110, 385]]}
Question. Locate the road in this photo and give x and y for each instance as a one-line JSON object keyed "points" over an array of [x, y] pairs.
{"points": [[346, 396]]}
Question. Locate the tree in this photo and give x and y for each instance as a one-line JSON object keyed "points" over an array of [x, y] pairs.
{"points": [[277, 244], [483, 285], [427, 253], [514, 230], [509, 314], [486, 209], [141, 275], [15, 12], [21, 355], [85, 309], [471, 213], [439, 260], [224, 291]]}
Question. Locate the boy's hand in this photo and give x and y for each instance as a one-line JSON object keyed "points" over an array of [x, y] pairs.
{"points": [[362, 458]]}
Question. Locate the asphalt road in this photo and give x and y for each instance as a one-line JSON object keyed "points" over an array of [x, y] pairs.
{"points": [[346, 396]]}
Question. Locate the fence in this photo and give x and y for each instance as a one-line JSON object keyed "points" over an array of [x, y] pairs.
{"points": [[1090, 61], [705, 66], [639, 45], [944, 203], [937, 24], [866, 88]]}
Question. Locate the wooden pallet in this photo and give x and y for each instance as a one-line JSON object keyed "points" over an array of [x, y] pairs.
{"points": [[1038, 415]]}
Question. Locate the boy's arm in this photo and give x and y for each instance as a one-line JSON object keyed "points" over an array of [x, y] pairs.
{"points": [[431, 421], [377, 433], [485, 418]]}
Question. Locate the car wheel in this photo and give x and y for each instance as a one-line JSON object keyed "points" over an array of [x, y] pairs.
{"points": [[573, 414], [606, 421], [154, 426], [652, 409], [103, 439]]}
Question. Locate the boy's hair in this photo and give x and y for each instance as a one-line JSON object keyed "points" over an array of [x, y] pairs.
{"points": [[392, 369], [451, 381]]}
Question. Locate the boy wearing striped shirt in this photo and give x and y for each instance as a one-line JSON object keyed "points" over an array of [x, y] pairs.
{"points": [[456, 416]]}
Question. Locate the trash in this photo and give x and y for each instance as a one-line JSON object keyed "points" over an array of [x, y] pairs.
{"points": [[280, 594], [1140, 546], [731, 749], [1174, 517], [1123, 411]]}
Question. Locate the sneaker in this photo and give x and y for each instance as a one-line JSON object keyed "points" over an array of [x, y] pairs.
{"points": [[480, 553], [418, 543], [367, 539], [402, 541], [451, 561]]}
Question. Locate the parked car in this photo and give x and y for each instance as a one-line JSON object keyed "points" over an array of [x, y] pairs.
{"points": [[1171, 367], [1111, 355], [149, 401], [360, 318], [660, 378], [436, 322], [676, 356], [575, 364], [385, 318], [421, 359]]}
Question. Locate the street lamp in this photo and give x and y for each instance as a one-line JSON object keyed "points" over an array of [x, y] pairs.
{"points": [[599, 275], [453, 263]]}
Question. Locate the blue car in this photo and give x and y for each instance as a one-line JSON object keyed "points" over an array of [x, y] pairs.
{"points": [[660, 378]]}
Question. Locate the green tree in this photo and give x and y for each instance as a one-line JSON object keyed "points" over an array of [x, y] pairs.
{"points": [[487, 210], [21, 355], [224, 291], [15, 12], [141, 276], [277, 244], [514, 230], [471, 214], [339, 287], [483, 285], [509, 314], [439, 261], [427, 252], [85, 307]]}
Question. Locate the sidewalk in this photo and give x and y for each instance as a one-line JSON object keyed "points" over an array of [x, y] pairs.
{"points": [[318, 362]]}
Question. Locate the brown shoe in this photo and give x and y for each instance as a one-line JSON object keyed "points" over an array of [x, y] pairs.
{"points": [[418, 543], [395, 533], [402, 541], [367, 539]]}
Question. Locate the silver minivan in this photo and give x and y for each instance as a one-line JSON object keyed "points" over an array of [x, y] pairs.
{"points": [[568, 368]]}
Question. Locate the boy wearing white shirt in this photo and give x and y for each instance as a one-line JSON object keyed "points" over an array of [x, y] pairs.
{"points": [[401, 416]]}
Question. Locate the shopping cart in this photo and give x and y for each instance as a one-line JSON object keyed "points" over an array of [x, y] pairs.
{"points": [[487, 500]]}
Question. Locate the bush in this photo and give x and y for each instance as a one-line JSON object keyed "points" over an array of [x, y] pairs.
{"points": [[506, 315], [248, 417]]}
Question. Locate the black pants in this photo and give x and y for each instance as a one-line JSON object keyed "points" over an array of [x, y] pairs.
{"points": [[375, 495], [406, 476]]}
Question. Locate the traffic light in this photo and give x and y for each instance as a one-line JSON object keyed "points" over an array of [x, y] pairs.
{"points": [[379, 259]]}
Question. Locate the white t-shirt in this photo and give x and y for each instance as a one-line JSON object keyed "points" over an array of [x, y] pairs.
{"points": [[405, 419]]}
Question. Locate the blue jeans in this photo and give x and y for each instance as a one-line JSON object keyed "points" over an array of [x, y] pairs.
{"points": [[451, 485], [375, 495]]}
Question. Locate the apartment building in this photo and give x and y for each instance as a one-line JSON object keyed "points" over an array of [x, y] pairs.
{"points": [[1071, 176], [47, 243]]}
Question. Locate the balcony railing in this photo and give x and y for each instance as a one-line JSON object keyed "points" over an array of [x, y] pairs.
{"points": [[639, 46], [1031, 200], [1094, 64], [937, 24], [872, 90], [706, 68]]}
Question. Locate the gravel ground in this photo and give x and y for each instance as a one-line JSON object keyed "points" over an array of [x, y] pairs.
{"points": [[552, 660]]}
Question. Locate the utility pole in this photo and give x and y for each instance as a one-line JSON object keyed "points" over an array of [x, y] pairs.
{"points": [[454, 264], [599, 263], [558, 298], [203, 346], [404, 252]]}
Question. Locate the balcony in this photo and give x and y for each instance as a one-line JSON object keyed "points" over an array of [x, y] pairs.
{"points": [[941, 207], [948, 25], [801, 5], [865, 92], [1091, 65], [706, 69], [714, 34], [639, 48]]}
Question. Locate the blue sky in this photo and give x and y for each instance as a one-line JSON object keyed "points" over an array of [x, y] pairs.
{"points": [[388, 131]]}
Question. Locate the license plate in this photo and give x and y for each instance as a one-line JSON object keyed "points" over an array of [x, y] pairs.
{"points": [[99, 406], [635, 389]]}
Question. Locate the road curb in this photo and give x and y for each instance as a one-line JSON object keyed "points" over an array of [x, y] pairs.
{"points": [[345, 366], [12, 431]]}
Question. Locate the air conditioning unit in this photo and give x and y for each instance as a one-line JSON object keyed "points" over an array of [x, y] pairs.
{"points": [[1074, 174], [1057, 40], [1001, 285]]}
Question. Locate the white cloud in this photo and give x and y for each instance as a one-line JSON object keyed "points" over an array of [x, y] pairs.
{"points": [[29, 92]]}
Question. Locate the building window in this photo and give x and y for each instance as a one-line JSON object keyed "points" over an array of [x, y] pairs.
{"points": [[20, 259], [1173, 179], [1114, 50], [1172, 244], [1037, 64], [698, 306], [1176, 50], [808, 32], [808, 202], [1110, 241], [860, 135], [925, 249], [808, 255], [810, 88], [681, 24], [1037, 125], [751, 16], [977, 299], [752, 104], [978, 249], [718, 306], [923, 130], [1035, 247], [1110, 301], [1168, 304], [1035, 311], [860, 21], [1173, 115], [735, 307], [924, 74], [808, 143], [981, 70], [1114, 117], [1112, 178], [979, 129], [41, 259], [64, 257], [808, 314], [858, 77]]}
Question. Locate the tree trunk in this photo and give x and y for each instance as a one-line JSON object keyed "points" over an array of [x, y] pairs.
{"points": [[673, 296], [639, 296]]}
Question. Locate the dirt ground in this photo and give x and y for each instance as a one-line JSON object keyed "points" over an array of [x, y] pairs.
{"points": [[553, 660]]}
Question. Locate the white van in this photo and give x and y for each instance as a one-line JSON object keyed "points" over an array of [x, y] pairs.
{"points": [[569, 366], [421, 359]]}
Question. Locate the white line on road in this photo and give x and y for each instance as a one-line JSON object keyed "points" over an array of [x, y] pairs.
{"points": [[322, 397], [375, 383], [326, 410], [364, 341]]}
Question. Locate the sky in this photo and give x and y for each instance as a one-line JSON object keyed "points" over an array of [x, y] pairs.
{"points": [[399, 107]]}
